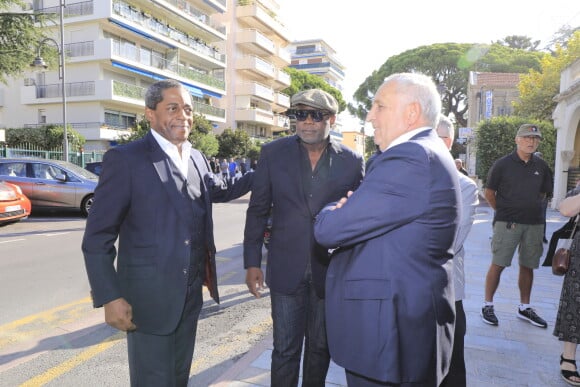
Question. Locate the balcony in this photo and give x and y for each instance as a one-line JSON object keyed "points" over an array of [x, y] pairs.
{"points": [[281, 79], [211, 113], [258, 66], [256, 16], [282, 100], [254, 42], [281, 58], [256, 89], [71, 10], [196, 17], [140, 21], [253, 115], [159, 65]]}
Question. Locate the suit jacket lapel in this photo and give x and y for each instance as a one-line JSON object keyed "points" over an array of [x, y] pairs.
{"points": [[166, 174]]}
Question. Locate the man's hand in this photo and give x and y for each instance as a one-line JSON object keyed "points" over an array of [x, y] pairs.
{"points": [[119, 314], [255, 281], [343, 200]]}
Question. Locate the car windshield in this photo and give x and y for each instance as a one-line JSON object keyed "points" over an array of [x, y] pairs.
{"points": [[76, 169]]}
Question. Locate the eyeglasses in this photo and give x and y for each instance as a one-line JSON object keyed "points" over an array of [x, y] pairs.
{"points": [[302, 115]]}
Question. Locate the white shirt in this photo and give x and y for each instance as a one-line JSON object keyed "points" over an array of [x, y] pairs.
{"points": [[181, 162], [406, 136]]}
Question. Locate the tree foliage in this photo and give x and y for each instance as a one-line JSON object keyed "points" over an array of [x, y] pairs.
{"points": [[519, 42], [48, 137], [538, 87], [302, 80], [234, 143], [448, 64], [495, 138], [20, 34]]}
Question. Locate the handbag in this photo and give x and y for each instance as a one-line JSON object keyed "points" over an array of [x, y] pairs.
{"points": [[561, 259]]}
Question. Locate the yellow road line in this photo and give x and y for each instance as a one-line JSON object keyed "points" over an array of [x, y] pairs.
{"points": [[43, 315], [68, 365], [35, 324]]}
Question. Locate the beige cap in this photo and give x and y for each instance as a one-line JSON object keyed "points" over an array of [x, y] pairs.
{"points": [[527, 130], [315, 98]]}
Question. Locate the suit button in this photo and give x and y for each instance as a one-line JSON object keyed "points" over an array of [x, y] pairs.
{"points": [[187, 242]]}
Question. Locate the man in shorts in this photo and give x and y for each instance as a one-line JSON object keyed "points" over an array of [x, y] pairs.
{"points": [[516, 186]]}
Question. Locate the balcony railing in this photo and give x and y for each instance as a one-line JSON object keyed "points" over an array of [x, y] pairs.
{"points": [[201, 17], [135, 15], [203, 108], [75, 89], [71, 9], [137, 92], [134, 54], [126, 90], [80, 49]]}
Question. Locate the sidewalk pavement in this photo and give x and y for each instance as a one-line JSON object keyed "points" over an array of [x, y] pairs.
{"points": [[515, 353]]}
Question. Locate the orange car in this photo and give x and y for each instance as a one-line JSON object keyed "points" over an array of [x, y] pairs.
{"points": [[13, 204]]}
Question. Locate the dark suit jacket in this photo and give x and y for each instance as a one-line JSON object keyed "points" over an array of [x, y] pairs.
{"points": [[390, 306], [138, 202], [278, 185]]}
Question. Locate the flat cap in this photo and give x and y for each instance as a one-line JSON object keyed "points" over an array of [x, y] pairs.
{"points": [[315, 98], [527, 130]]}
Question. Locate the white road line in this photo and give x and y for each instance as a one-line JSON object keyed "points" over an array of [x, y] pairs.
{"points": [[12, 240], [54, 234]]}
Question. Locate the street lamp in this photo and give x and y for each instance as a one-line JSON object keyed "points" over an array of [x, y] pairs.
{"points": [[40, 63]]}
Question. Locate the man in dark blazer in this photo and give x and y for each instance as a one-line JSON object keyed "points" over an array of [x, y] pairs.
{"points": [[295, 177], [389, 288], [155, 196]]}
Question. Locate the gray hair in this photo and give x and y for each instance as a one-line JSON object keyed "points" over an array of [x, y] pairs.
{"points": [[421, 89], [445, 127], [154, 93]]}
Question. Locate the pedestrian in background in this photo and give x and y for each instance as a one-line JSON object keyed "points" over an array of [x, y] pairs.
{"points": [[567, 327], [459, 165], [155, 197], [469, 201], [516, 187], [295, 177], [389, 291]]}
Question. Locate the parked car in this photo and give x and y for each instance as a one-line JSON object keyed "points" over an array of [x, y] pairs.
{"points": [[14, 205], [51, 183], [95, 167]]}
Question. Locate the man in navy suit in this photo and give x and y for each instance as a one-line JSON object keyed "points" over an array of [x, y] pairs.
{"points": [[295, 177], [155, 196], [389, 287]]}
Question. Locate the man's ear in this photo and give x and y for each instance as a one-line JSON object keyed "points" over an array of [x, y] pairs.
{"points": [[148, 114], [413, 113]]}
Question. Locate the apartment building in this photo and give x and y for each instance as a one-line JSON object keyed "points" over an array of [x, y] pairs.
{"points": [[317, 57], [257, 54], [114, 50]]}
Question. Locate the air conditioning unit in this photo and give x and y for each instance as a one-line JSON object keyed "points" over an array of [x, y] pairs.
{"points": [[29, 82]]}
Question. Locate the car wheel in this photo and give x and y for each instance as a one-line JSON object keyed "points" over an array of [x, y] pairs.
{"points": [[86, 204]]}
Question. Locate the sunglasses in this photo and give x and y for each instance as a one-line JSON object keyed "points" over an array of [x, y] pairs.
{"points": [[302, 115]]}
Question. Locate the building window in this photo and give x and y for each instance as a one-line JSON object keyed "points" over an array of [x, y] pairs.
{"points": [[42, 116], [307, 49], [120, 120]]}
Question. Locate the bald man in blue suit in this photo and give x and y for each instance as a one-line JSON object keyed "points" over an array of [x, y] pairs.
{"points": [[389, 289]]}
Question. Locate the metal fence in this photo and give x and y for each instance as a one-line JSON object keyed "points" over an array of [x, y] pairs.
{"points": [[79, 158]]}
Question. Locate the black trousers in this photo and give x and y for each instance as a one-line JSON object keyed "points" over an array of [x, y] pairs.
{"points": [[356, 380], [456, 376], [165, 360]]}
